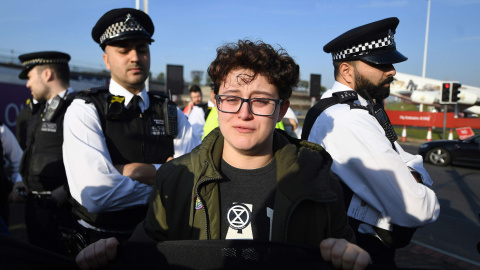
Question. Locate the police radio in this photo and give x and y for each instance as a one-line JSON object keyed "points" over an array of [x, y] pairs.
{"points": [[379, 113], [170, 116]]}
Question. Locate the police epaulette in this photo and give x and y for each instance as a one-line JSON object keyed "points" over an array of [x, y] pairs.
{"points": [[72, 95], [357, 106], [84, 94], [160, 95], [344, 96]]}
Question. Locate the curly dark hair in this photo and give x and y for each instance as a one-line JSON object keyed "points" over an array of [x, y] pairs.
{"points": [[276, 65]]}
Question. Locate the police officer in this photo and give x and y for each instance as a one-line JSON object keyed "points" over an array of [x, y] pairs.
{"points": [[195, 99], [116, 137], [47, 74], [389, 194]]}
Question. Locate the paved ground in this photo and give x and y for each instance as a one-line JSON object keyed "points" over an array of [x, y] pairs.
{"points": [[417, 256]]}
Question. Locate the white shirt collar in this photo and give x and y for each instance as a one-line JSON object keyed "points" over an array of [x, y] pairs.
{"points": [[118, 90], [61, 94], [210, 104]]}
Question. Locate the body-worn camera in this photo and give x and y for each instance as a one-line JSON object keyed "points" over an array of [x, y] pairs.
{"points": [[21, 191]]}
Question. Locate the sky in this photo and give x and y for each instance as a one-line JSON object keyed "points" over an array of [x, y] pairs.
{"points": [[188, 32]]}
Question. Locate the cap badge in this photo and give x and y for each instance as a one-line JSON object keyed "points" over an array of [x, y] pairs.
{"points": [[390, 37], [130, 21]]}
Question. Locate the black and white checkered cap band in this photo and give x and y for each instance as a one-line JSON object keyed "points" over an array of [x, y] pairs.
{"points": [[365, 48], [43, 61], [129, 25]]}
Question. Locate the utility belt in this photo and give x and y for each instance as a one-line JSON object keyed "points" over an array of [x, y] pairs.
{"points": [[43, 199], [89, 226], [73, 240], [78, 238]]}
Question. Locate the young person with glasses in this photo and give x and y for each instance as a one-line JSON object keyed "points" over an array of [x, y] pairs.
{"points": [[248, 180]]}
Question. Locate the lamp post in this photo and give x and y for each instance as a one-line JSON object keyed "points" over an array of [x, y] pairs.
{"points": [[145, 9]]}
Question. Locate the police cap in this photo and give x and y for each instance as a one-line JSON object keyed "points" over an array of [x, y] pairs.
{"points": [[122, 24], [373, 42], [30, 60]]}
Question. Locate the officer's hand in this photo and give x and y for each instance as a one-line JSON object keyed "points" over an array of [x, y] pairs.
{"points": [[141, 172], [343, 254], [168, 159], [14, 196], [59, 195], [98, 254]]}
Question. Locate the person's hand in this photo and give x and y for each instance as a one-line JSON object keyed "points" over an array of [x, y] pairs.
{"points": [[97, 254], [14, 196], [59, 195], [141, 172], [188, 108], [344, 255]]}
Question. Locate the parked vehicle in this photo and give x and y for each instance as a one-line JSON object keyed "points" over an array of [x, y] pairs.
{"points": [[442, 152]]}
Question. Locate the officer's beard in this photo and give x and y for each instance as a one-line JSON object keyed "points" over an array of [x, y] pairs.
{"points": [[377, 92]]}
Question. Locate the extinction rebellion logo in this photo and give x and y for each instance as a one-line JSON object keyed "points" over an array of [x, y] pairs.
{"points": [[239, 216]]}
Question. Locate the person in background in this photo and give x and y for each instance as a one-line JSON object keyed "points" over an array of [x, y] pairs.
{"points": [[195, 99], [10, 178], [388, 190], [117, 137], [247, 168], [212, 120], [47, 209], [198, 111], [291, 125]]}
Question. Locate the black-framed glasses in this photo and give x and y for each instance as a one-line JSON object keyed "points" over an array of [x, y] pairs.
{"points": [[257, 106]]}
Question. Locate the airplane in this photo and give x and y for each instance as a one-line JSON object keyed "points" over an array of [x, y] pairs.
{"points": [[420, 90]]}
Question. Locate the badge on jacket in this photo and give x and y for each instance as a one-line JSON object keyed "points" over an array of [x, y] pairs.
{"points": [[198, 204]]}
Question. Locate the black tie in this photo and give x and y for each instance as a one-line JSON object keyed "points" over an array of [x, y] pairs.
{"points": [[135, 107]]}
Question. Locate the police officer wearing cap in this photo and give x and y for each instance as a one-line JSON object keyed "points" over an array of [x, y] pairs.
{"points": [[117, 137], [47, 209], [387, 190]]}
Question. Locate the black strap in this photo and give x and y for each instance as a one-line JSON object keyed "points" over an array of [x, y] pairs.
{"points": [[314, 112], [348, 97], [100, 106]]}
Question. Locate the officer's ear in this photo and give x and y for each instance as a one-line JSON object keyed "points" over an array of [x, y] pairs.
{"points": [[105, 60], [347, 72], [48, 75]]}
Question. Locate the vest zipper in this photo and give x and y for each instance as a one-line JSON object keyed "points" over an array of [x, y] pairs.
{"points": [[205, 210], [144, 138], [295, 206]]}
